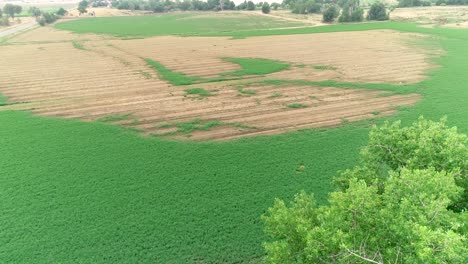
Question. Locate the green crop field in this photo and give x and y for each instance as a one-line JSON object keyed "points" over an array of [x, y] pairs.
{"points": [[89, 192], [174, 24]]}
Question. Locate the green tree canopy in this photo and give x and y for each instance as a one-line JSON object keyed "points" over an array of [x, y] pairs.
{"points": [[34, 11], [396, 206], [266, 8], [377, 11], [11, 10], [82, 7]]}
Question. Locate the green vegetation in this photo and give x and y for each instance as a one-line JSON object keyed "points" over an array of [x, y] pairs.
{"points": [[114, 118], [243, 91], [404, 188], [78, 45], [249, 66], [3, 100], [378, 12], [175, 78], [395, 89], [187, 128], [254, 66], [198, 91], [193, 125], [296, 105], [145, 74], [173, 24], [91, 192], [275, 95], [323, 67]]}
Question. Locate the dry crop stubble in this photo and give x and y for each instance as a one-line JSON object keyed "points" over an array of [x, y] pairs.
{"points": [[107, 79]]}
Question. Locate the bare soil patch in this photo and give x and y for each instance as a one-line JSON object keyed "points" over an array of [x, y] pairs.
{"points": [[110, 81], [449, 16], [370, 56]]}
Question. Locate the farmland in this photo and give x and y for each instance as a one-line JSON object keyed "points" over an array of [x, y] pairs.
{"points": [[138, 181]]}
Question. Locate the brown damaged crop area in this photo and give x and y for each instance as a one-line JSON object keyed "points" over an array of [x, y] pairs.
{"points": [[108, 80]]}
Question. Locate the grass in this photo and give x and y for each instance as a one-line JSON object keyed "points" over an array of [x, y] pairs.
{"points": [[296, 105], [175, 78], [249, 66], [254, 66], [3, 100], [275, 95], [198, 91], [185, 24], [192, 125], [78, 45], [243, 91], [197, 124], [145, 74], [113, 118], [95, 193], [323, 67], [392, 88]]}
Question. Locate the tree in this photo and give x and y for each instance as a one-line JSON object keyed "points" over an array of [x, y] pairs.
{"points": [[82, 7], [11, 10], [275, 6], [330, 13], [1, 13], [352, 12], [61, 12], [377, 11], [266, 8], [396, 206], [250, 6], [407, 223], [34, 11], [425, 144]]}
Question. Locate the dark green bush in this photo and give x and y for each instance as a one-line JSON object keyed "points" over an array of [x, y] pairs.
{"points": [[377, 11], [61, 12], [330, 13], [352, 13], [265, 8]]}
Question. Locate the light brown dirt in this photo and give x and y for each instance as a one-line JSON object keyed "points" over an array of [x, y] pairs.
{"points": [[370, 56], [52, 78], [448, 16]]}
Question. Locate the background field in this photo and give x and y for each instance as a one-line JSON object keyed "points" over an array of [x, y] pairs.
{"points": [[175, 24], [91, 192]]}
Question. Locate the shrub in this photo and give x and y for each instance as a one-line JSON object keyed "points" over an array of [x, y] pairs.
{"points": [[41, 21], [265, 8], [352, 12], [250, 6], [61, 12], [377, 11], [305, 7], [330, 13]]}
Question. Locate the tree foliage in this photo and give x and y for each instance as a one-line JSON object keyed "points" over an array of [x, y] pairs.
{"points": [[266, 8], [250, 5], [394, 207], [61, 11], [330, 13], [352, 12], [34, 11], [378, 11], [82, 7], [424, 144], [306, 6], [11, 10]]}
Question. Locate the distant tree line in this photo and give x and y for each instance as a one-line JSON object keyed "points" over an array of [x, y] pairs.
{"points": [[160, 6], [344, 10]]}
